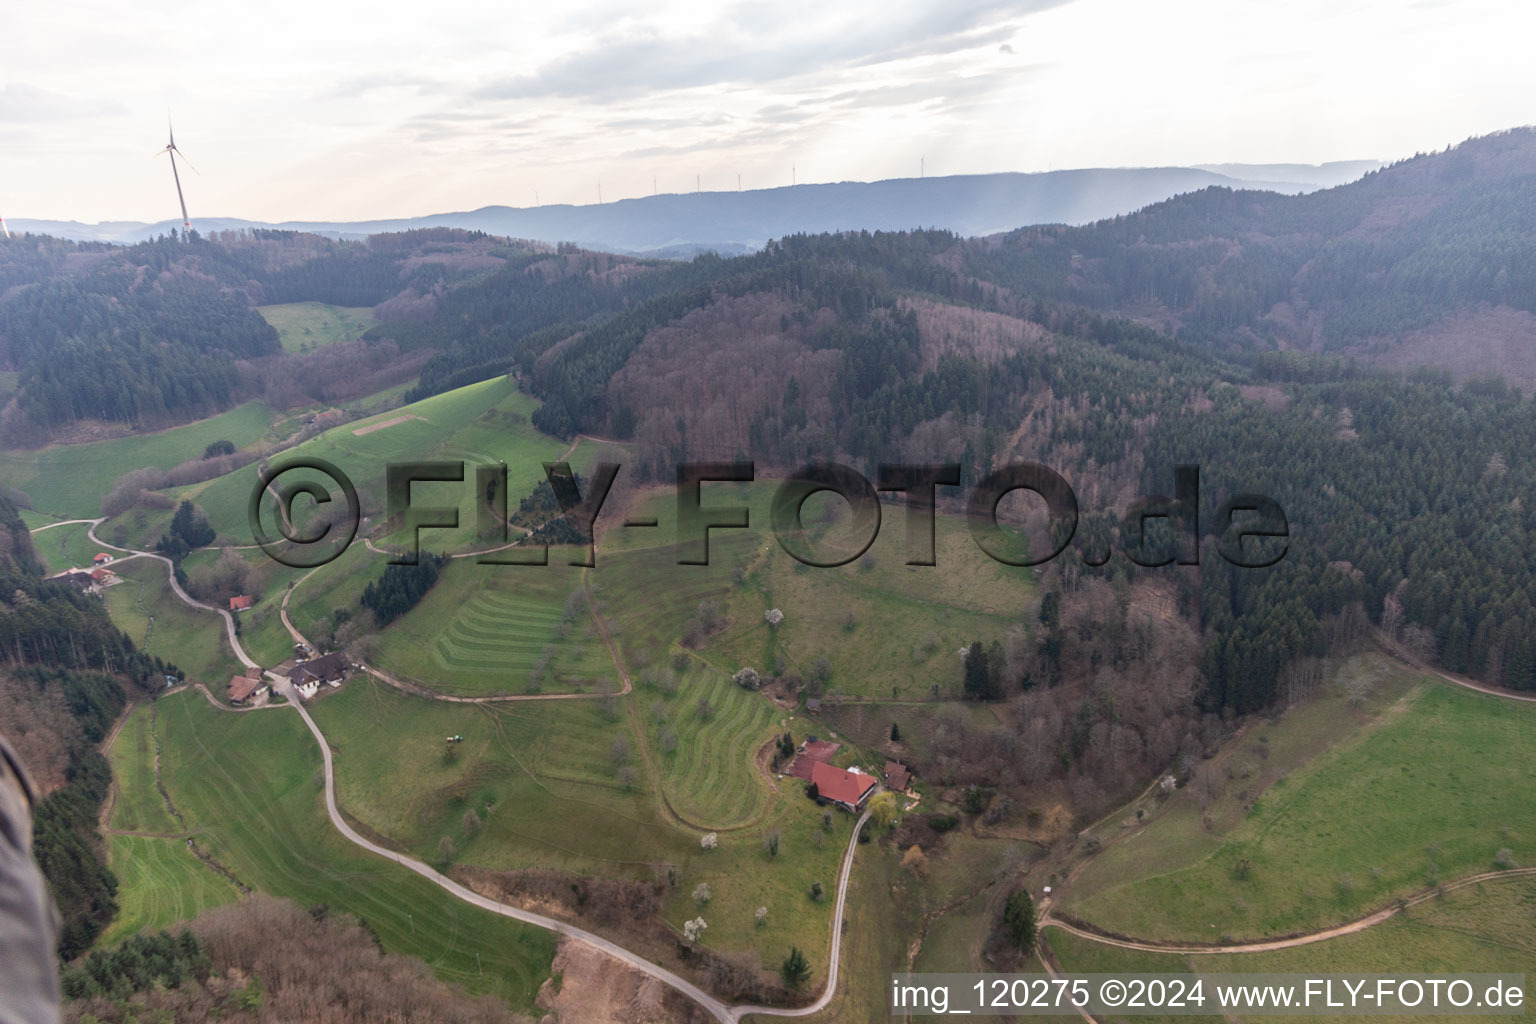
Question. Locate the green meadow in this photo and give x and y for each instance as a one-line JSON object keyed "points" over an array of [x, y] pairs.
{"points": [[1433, 790], [1489, 927], [885, 628], [69, 480], [144, 606], [305, 326], [137, 805], [576, 785], [65, 547], [492, 629], [160, 883], [480, 424], [250, 785]]}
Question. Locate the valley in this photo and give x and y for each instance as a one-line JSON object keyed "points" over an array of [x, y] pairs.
{"points": [[756, 788]]}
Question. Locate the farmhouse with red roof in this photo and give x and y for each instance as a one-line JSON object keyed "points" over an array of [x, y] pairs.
{"points": [[847, 789]]}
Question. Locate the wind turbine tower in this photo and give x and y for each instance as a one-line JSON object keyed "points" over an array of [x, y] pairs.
{"points": [[171, 151], [3, 229]]}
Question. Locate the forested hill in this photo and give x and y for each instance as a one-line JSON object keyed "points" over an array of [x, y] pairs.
{"points": [[166, 331], [1431, 260], [1407, 492], [64, 669]]}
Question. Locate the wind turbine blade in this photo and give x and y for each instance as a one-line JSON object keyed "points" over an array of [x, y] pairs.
{"points": [[188, 163]]}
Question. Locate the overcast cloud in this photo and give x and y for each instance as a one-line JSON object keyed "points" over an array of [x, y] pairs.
{"points": [[327, 111]]}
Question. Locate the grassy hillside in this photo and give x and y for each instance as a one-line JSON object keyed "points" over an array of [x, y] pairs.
{"points": [[479, 424], [1432, 793], [160, 623], [65, 547], [160, 883], [500, 629], [304, 326], [249, 784], [907, 622], [706, 761], [138, 805], [549, 781], [1487, 928], [69, 479]]}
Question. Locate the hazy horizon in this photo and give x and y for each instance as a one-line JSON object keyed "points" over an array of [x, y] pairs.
{"points": [[305, 113], [173, 218]]}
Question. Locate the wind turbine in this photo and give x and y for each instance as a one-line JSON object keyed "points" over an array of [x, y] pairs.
{"points": [[171, 151], [3, 228]]}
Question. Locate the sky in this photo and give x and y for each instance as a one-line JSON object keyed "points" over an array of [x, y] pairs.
{"points": [[345, 111]]}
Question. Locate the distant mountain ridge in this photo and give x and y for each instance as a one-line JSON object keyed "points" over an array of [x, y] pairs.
{"points": [[736, 222]]}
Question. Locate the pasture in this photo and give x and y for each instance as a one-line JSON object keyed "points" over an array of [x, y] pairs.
{"points": [[705, 763], [1490, 927], [884, 628], [138, 805], [65, 547], [488, 629], [548, 781], [305, 326], [249, 784], [480, 424], [69, 480], [160, 623], [160, 883], [1433, 792]]}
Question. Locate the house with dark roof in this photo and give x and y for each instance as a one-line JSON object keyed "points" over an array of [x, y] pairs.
{"points": [[897, 776], [80, 579], [329, 669], [848, 789]]}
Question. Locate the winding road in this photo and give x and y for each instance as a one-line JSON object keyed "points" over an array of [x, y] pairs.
{"points": [[715, 1007]]}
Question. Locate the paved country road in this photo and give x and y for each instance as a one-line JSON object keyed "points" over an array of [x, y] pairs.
{"points": [[715, 1007], [229, 620]]}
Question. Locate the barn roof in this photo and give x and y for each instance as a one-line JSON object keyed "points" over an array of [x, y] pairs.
{"points": [[845, 787], [241, 687]]}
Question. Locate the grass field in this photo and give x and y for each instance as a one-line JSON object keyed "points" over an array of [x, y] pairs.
{"points": [[190, 638], [69, 479], [549, 787], [1485, 928], [906, 624], [1432, 792], [479, 424], [303, 326], [707, 773], [500, 629], [250, 785], [65, 547], [138, 806], [1083, 956], [160, 883]]}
